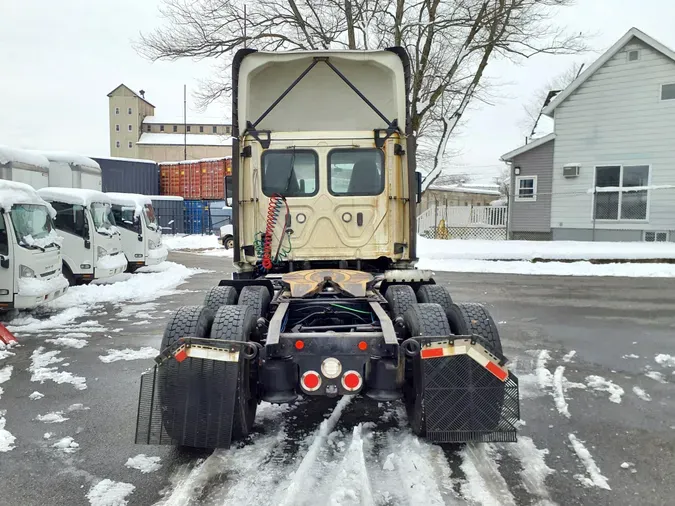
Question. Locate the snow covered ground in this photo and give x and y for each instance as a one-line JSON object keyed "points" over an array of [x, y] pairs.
{"points": [[515, 257], [191, 242]]}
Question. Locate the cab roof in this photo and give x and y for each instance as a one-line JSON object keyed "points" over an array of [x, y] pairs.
{"points": [[76, 196]]}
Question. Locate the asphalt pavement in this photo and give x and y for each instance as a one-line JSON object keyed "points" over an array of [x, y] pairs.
{"points": [[585, 440]]}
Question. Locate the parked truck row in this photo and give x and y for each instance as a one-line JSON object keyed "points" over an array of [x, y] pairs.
{"points": [[57, 228]]}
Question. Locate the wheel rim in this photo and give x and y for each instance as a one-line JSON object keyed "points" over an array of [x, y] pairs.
{"points": [[229, 244]]}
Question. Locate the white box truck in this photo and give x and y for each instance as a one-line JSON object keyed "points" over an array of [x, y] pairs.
{"points": [[92, 245], [70, 170], [30, 252], [139, 228]]}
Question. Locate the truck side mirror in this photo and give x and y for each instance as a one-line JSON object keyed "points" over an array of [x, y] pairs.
{"points": [[4, 262], [87, 244], [418, 192]]}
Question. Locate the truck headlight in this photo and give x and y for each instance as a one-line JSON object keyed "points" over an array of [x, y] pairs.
{"points": [[26, 272], [100, 252], [151, 244]]}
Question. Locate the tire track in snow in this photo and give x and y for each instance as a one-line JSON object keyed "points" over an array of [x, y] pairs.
{"points": [[534, 469], [559, 392], [595, 476], [351, 483], [484, 484]]}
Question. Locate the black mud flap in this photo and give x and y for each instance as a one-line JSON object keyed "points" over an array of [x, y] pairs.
{"points": [[188, 403], [464, 402]]}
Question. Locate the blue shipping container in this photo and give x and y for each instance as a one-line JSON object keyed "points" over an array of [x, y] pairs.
{"points": [[197, 217], [129, 176]]}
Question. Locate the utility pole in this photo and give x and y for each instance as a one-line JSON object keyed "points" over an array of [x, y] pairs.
{"points": [[185, 122]]}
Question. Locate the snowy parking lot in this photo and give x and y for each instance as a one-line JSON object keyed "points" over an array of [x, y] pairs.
{"points": [[594, 356]]}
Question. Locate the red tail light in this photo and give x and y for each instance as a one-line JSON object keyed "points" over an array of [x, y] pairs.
{"points": [[352, 381], [310, 381]]}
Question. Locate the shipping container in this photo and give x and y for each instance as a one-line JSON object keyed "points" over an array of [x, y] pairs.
{"points": [[197, 217], [126, 175], [195, 179], [213, 178], [170, 212]]}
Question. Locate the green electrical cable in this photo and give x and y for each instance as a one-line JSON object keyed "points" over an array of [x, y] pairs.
{"points": [[347, 308]]}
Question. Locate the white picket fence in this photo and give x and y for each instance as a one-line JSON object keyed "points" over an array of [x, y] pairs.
{"points": [[464, 222]]}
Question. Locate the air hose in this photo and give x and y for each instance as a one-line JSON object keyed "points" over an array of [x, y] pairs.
{"points": [[273, 210]]}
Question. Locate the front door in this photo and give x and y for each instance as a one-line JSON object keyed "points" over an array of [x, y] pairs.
{"points": [[6, 263]]}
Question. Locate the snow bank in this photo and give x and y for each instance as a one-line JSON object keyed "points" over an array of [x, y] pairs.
{"points": [[67, 444], [24, 156], [629, 270], [456, 249], [76, 196], [129, 354], [603, 385], [30, 324], [111, 262], [34, 287], [146, 285], [6, 438], [110, 493], [596, 477], [144, 463], [190, 242], [68, 342]]}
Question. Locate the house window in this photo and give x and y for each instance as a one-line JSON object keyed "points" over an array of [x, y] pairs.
{"points": [[215, 130], [633, 55], [130, 128], [621, 192], [117, 128], [117, 144], [188, 128], [175, 128], [131, 144], [129, 110], [149, 128], [526, 189], [656, 237], [161, 128], [201, 129], [668, 92], [117, 110]]}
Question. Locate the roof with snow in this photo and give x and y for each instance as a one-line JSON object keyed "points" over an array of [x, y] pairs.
{"points": [[169, 139], [76, 196], [527, 147], [176, 120], [12, 193], [24, 157], [70, 158], [138, 160], [129, 199], [185, 162], [132, 91], [632, 33], [455, 188]]}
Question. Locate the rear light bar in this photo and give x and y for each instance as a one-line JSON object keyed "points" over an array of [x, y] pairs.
{"points": [[465, 347]]}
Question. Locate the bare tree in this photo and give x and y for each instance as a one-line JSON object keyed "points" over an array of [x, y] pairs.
{"points": [[533, 107], [445, 179], [450, 44], [503, 181]]}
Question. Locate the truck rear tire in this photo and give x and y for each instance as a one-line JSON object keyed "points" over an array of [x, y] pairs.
{"points": [[474, 319], [236, 323], [257, 297], [220, 296], [181, 384], [435, 294], [68, 274], [400, 299], [228, 242]]}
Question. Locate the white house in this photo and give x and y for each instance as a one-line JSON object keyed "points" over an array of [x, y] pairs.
{"points": [[612, 173]]}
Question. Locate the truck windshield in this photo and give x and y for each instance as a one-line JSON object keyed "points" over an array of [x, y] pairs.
{"points": [[150, 217], [103, 219], [33, 225], [125, 217]]}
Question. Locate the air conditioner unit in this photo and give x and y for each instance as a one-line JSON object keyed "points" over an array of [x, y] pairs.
{"points": [[571, 170]]}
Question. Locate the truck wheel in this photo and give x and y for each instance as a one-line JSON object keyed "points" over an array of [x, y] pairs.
{"points": [[257, 297], [400, 299], [68, 274], [474, 319], [181, 384], [228, 242], [236, 323], [220, 296], [421, 320], [435, 294]]}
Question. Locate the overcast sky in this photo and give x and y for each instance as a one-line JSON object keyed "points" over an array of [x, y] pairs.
{"points": [[60, 58]]}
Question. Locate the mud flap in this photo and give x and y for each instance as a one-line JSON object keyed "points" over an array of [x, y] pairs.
{"points": [[190, 402], [462, 400]]}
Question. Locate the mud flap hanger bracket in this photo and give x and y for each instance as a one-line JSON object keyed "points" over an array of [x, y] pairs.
{"points": [[392, 126]]}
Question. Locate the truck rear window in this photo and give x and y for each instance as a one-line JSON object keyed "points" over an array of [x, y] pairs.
{"points": [[353, 172], [290, 173]]}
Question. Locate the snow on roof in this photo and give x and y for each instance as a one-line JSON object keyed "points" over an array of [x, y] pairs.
{"points": [[609, 54], [67, 157], [177, 120], [12, 193], [523, 149], [138, 160], [165, 197], [73, 196], [455, 188], [184, 162], [24, 156], [170, 139], [129, 199]]}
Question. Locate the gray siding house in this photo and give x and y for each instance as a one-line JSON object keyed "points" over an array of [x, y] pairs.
{"points": [[612, 172]]}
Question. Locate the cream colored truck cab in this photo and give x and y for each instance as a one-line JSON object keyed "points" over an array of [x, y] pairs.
{"points": [[327, 131]]}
